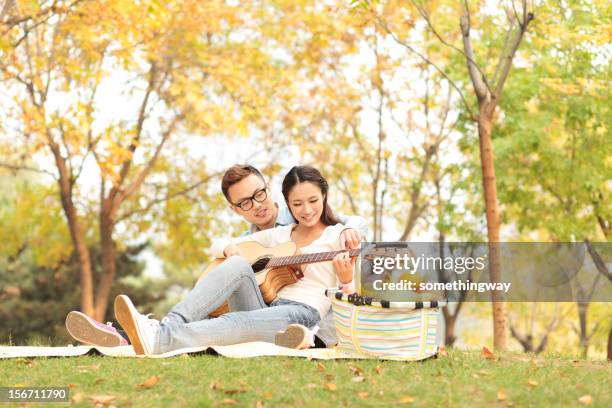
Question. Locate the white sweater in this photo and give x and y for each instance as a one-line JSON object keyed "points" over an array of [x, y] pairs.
{"points": [[317, 276]]}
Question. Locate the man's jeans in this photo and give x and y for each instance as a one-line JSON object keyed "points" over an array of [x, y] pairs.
{"points": [[250, 319]]}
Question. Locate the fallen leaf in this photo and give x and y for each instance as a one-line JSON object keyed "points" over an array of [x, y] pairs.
{"points": [[27, 362], [228, 401], [149, 382], [378, 370], [215, 385], [442, 351], [501, 395], [357, 379], [89, 367], [586, 399], [102, 399], [320, 367], [267, 395], [72, 386], [373, 381], [486, 353], [356, 370], [330, 386], [363, 395], [329, 377], [406, 400], [234, 391], [78, 397], [532, 384]]}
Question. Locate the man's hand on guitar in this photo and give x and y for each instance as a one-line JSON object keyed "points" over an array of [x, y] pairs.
{"points": [[231, 250], [349, 239]]}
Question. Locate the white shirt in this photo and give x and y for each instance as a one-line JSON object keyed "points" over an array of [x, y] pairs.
{"points": [[317, 276], [284, 217]]}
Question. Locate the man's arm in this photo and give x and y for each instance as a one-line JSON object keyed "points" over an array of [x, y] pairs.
{"points": [[267, 238], [218, 245], [355, 222]]}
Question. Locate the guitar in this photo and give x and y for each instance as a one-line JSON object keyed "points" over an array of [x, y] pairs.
{"points": [[275, 267]]}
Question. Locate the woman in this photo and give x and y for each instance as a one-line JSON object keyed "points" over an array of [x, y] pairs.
{"points": [[304, 302]]}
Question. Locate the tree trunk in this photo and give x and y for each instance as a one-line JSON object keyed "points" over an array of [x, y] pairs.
{"points": [[449, 329], [76, 230], [83, 256], [109, 265], [583, 308], [485, 123], [610, 345]]}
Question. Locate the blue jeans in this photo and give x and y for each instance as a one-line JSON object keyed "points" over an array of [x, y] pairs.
{"points": [[250, 319]]}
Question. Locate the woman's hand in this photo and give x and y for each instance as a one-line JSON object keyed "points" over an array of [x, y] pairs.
{"points": [[231, 250], [344, 267]]}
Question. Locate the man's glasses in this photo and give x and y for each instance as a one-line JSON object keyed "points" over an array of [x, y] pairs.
{"points": [[259, 196]]}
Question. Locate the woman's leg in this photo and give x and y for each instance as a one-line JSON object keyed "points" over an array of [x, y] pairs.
{"points": [[232, 281], [235, 327]]}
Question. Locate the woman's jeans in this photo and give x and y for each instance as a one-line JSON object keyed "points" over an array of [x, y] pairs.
{"points": [[249, 319]]}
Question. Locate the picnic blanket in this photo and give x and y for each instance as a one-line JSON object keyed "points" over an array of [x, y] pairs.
{"points": [[242, 350]]}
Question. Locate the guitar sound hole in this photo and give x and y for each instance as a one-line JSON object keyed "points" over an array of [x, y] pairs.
{"points": [[260, 264]]}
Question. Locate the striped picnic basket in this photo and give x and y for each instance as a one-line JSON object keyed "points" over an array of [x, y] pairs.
{"points": [[383, 329]]}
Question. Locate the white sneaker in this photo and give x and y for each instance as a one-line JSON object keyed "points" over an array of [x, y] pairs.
{"points": [[141, 330], [296, 336]]}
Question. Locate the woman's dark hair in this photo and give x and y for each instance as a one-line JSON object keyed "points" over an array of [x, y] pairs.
{"points": [[301, 174]]}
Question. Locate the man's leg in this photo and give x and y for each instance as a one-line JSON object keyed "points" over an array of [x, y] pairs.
{"points": [[235, 327], [232, 281]]}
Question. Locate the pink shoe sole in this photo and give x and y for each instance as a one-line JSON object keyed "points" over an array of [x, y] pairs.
{"points": [[84, 329]]}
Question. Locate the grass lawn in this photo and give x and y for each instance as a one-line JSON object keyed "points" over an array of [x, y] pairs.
{"points": [[459, 379]]}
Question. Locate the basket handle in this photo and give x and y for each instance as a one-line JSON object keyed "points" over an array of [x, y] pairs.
{"points": [[358, 300]]}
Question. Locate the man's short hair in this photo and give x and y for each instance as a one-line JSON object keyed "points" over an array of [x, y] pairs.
{"points": [[235, 174]]}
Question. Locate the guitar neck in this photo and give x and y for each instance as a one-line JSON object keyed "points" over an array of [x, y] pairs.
{"points": [[308, 258]]}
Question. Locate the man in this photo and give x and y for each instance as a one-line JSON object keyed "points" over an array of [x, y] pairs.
{"points": [[249, 196]]}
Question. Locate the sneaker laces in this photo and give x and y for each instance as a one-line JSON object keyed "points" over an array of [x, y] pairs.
{"points": [[151, 322]]}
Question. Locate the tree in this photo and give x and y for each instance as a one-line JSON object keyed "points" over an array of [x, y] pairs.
{"points": [[532, 328], [179, 80], [488, 78], [554, 141], [379, 148], [38, 277]]}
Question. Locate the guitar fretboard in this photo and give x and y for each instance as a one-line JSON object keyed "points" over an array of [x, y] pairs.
{"points": [[308, 258]]}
